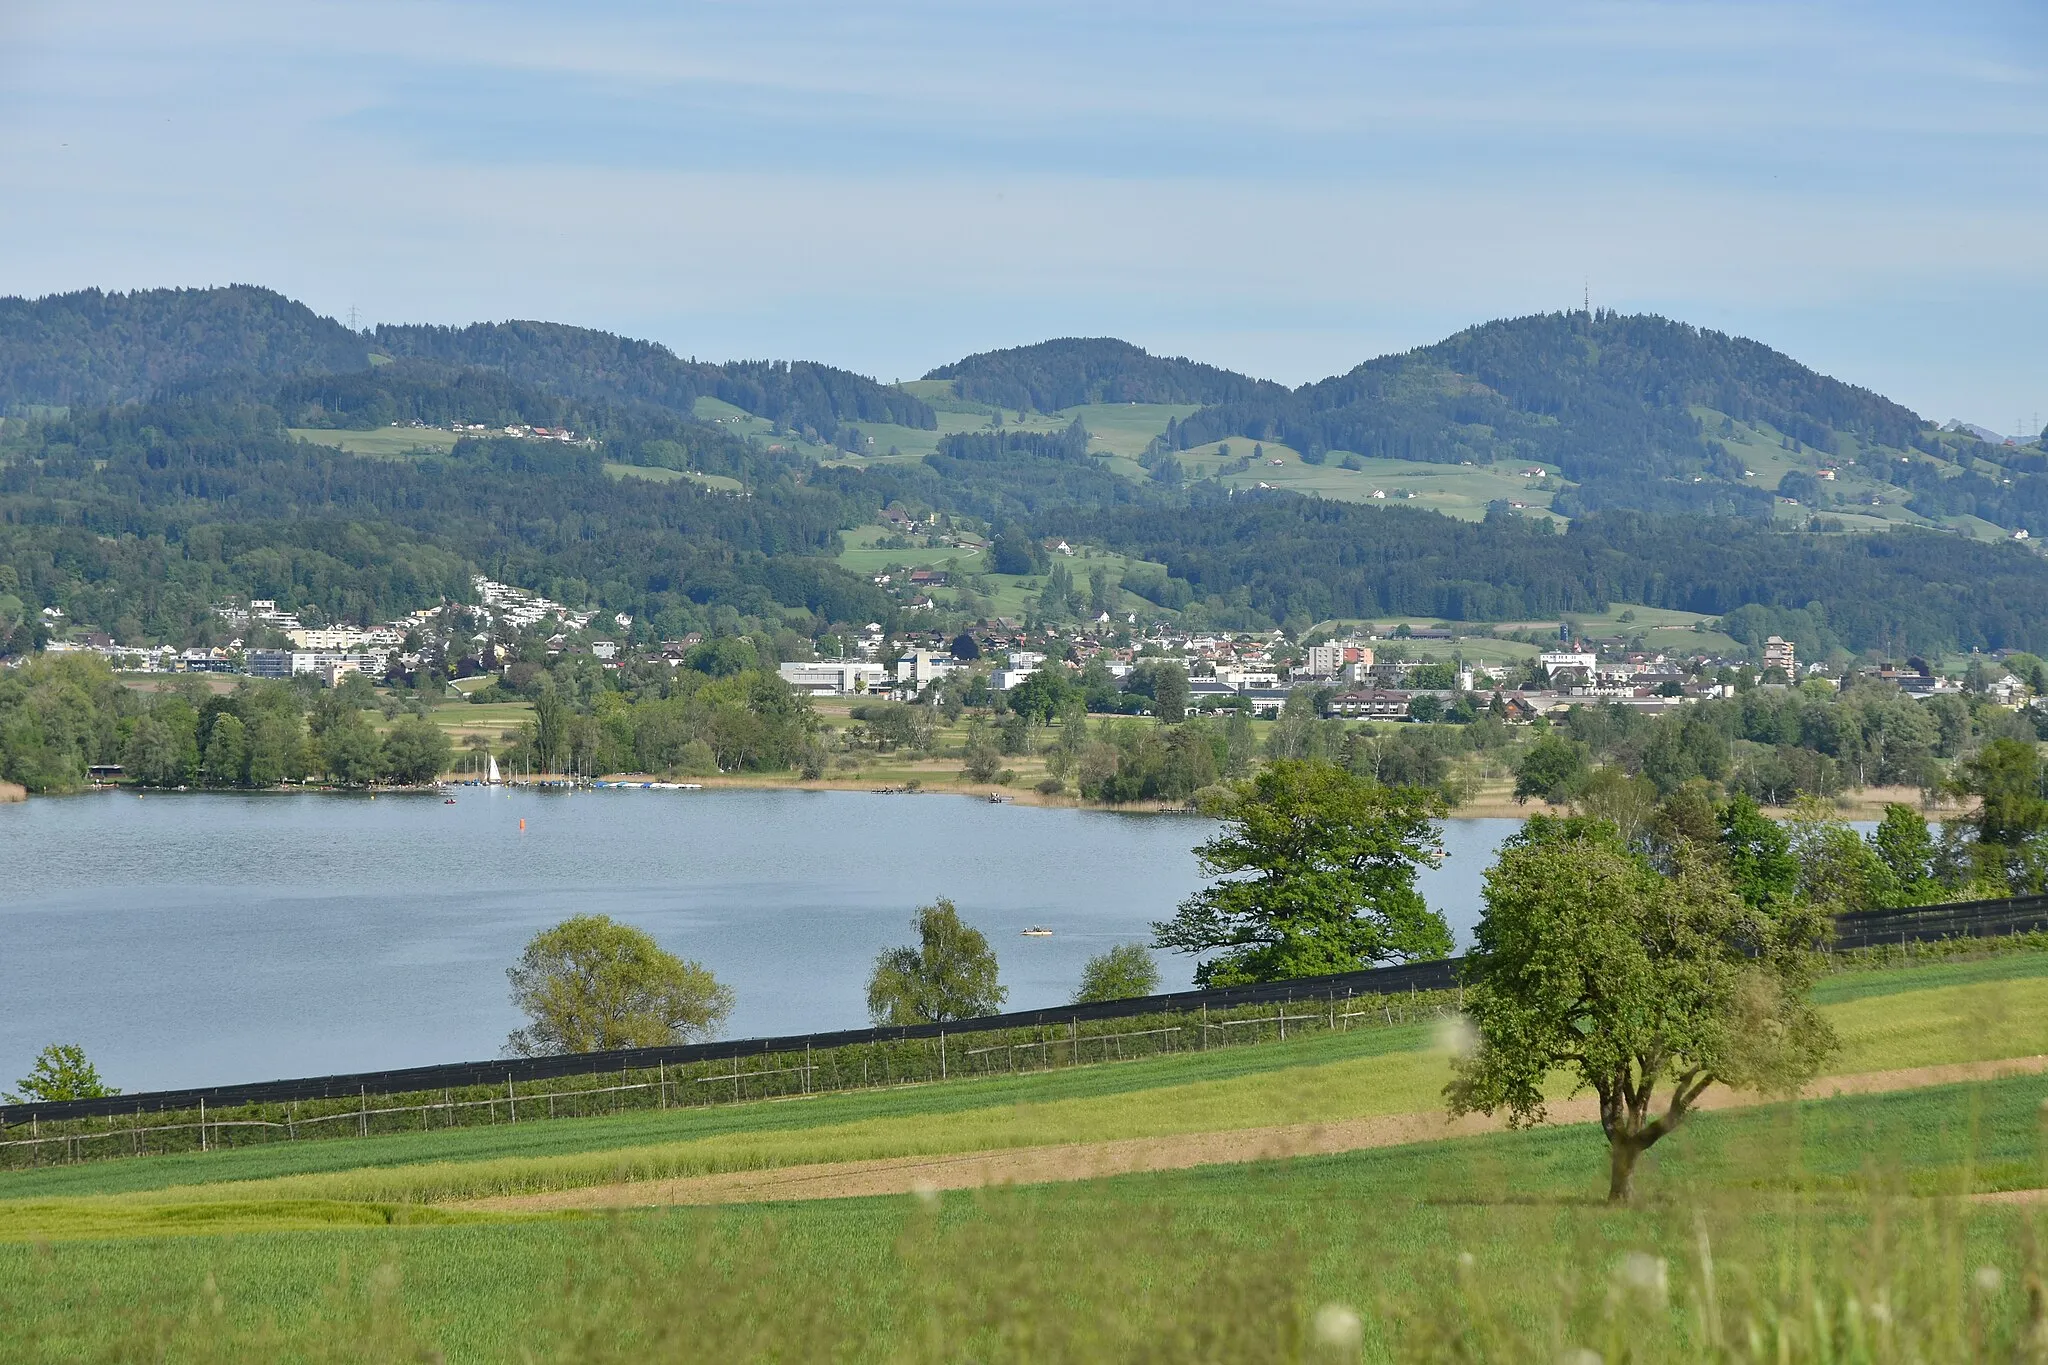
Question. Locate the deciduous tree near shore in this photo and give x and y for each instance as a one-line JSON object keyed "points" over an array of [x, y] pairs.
{"points": [[950, 974], [591, 984], [1332, 859], [1645, 987]]}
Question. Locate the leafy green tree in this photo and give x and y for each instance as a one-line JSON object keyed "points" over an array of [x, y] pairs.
{"points": [[1906, 848], [1627, 803], [1170, 692], [1838, 871], [226, 763], [1552, 769], [1433, 675], [350, 753], [1588, 959], [277, 747], [950, 974], [61, 1073], [2005, 777], [1125, 972], [163, 748], [2011, 817], [1426, 707], [1758, 853], [1013, 552], [1043, 695], [416, 751], [1240, 744], [1318, 869], [984, 757], [591, 984]]}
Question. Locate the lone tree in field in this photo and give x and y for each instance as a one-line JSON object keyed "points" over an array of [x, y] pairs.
{"points": [[591, 984], [1590, 960], [1318, 869], [1125, 972], [61, 1073], [950, 974]]}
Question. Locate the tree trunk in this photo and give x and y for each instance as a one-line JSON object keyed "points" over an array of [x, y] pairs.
{"points": [[1621, 1168]]}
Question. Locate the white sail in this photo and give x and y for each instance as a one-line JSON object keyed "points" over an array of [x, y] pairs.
{"points": [[492, 779]]}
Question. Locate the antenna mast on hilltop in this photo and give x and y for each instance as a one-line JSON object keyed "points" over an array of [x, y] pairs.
{"points": [[352, 319], [1589, 296]]}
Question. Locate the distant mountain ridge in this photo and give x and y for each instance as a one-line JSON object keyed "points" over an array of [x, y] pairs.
{"points": [[1607, 397], [584, 363], [91, 347], [1072, 371]]}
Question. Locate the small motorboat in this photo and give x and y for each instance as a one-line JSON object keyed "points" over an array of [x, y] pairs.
{"points": [[449, 801], [1037, 931]]}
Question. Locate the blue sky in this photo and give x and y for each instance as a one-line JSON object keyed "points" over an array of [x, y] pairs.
{"points": [[1286, 188]]}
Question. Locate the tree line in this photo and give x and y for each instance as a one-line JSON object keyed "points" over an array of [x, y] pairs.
{"points": [[62, 715]]}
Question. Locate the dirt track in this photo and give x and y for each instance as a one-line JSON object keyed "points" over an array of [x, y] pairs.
{"points": [[1088, 1160]]}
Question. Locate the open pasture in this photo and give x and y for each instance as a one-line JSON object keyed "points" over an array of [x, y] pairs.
{"points": [[382, 442], [1765, 1224]]}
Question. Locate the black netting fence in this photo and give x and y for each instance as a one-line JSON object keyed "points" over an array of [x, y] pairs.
{"points": [[521, 1089]]}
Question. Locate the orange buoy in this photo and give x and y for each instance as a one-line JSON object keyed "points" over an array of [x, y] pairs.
{"points": [[522, 824]]}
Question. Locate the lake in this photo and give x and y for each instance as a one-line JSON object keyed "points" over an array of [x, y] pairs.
{"points": [[199, 939]]}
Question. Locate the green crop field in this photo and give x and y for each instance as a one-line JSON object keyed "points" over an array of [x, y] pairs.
{"points": [[382, 442], [1757, 1225]]}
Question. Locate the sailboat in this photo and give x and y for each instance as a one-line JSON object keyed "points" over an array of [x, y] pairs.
{"points": [[491, 779]]}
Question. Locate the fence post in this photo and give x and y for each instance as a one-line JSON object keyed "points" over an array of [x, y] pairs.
{"points": [[942, 1054], [363, 1111], [291, 1122], [202, 1123], [661, 1080], [1282, 1013], [1205, 1026], [511, 1097], [1074, 1037]]}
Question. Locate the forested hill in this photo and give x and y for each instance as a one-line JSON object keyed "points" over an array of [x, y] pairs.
{"points": [[1300, 559], [93, 347], [1075, 370], [1628, 407], [591, 364]]}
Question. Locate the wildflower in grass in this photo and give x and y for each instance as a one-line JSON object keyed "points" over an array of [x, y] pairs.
{"points": [[1339, 1327], [1643, 1274]]}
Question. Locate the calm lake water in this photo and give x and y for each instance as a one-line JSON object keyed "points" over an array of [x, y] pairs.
{"points": [[207, 939]]}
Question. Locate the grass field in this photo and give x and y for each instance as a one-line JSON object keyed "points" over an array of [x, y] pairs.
{"points": [[1456, 490], [1779, 1230], [382, 442], [1890, 1019], [660, 474], [1011, 595]]}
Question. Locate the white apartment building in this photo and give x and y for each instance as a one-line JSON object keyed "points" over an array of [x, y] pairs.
{"points": [[1244, 679], [834, 677], [331, 639], [923, 666], [1327, 661]]}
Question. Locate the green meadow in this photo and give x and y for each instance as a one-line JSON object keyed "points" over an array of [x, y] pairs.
{"points": [[382, 442], [1773, 1232]]}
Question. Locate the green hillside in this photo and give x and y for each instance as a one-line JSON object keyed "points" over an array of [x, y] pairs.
{"points": [[1074, 371]]}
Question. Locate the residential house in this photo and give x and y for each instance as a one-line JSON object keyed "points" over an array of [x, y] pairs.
{"points": [[1377, 704]]}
